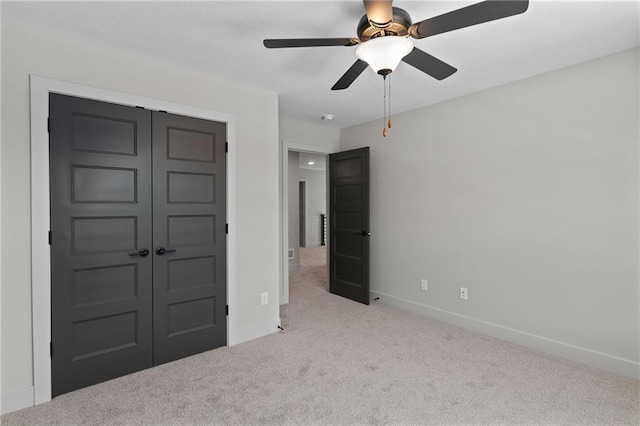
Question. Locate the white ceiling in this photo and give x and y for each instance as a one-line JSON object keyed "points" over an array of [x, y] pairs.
{"points": [[224, 38]]}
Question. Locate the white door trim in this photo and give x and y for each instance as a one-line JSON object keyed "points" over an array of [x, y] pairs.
{"points": [[285, 147], [40, 207]]}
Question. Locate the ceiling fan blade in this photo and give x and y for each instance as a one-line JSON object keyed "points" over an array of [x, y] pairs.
{"points": [[429, 64], [351, 74], [379, 12], [309, 42], [467, 16]]}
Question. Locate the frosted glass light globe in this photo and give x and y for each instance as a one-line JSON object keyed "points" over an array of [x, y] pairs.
{"points": [[384, 53]]}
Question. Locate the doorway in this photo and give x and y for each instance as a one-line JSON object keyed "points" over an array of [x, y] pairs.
{"points": [[307, 207], [344, 191], [138, 263]]}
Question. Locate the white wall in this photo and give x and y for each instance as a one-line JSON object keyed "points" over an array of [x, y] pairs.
{"points": [[303, 136], [30, 51], [316, 203], [526, 194]]}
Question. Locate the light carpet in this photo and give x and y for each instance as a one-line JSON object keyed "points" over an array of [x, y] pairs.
{"points": [[340, 362]]}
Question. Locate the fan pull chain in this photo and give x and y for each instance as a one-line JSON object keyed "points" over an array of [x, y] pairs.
{"points": [[384, 102], [386, 120], [389, 119]]}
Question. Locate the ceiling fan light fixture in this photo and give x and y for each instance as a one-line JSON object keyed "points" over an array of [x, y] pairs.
{"points": [[383, 54]]}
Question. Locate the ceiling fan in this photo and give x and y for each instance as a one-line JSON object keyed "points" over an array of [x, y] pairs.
{"points": [[385, 33]]}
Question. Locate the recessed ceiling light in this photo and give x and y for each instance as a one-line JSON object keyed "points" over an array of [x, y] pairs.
{"points": [[311, 163], [327, 117]]}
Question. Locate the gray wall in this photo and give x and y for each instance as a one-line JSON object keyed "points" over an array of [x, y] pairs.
{"points": [[27, 50], [316, 186], [526, 194], [294, 218]]}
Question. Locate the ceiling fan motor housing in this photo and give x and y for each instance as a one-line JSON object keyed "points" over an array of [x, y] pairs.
{"points": [[398, 27]]}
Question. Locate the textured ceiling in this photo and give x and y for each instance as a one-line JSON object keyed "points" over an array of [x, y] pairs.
{"points": [[224, 38]]}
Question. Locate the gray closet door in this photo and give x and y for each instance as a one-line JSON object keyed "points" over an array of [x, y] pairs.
{"points": [[138, 217], [189, 216], [101, 291]]}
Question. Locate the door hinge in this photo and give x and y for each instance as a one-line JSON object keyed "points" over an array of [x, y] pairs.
{"points": [[227, 310], [226, 147], [226, 228], [50, 238], [51, 349], [48, 125], [162, 111], [141, 107]]}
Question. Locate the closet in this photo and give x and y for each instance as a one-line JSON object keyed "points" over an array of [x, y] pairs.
{"points": [[138, 239]]}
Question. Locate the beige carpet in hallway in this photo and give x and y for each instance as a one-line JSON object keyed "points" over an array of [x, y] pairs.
{"points": [[339, 362]]}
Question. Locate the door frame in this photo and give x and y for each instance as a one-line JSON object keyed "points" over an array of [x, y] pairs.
{"points": [[302, 212], [285, 147], [40, 87]]}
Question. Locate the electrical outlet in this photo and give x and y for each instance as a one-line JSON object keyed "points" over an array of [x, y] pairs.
{"points": [[264, 298], [423, 285], [464, 293]]}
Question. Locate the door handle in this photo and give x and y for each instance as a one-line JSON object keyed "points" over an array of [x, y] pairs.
{"points": [[161, 250], [142, 252], [366, 234]]}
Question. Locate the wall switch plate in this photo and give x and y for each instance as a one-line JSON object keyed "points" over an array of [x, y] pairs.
{"points": [[423, 285], [464, 293], [264, 298]]}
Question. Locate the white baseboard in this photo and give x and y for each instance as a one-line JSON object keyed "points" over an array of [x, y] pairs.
{"points": [[16, 400], [244, 334], [579, 354]]}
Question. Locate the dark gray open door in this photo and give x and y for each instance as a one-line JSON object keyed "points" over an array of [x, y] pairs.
{"points": [[189, 237], [349, 224], [101, 231]]}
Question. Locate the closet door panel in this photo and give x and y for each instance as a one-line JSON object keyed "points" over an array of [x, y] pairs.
{"points": [[189, 214], [101, 290]]}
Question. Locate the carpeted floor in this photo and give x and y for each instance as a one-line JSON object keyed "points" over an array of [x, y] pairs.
{"points": [[339, 362]]}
